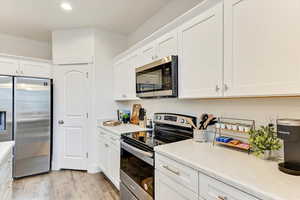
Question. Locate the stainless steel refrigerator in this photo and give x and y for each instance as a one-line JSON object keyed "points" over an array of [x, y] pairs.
{"points": [[25, 105]]}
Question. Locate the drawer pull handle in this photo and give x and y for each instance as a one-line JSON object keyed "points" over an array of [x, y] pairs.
{"points": [[173, 171], [114, 139], [222, 198]]}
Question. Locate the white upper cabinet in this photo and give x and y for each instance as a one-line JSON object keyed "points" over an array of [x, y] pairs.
{"points": [[9, 66], [74, 46], [18, 67], [35, 69], [119, 80], [148, 53], [201, 55], [124, 77], [262, 47], [167, 45]]}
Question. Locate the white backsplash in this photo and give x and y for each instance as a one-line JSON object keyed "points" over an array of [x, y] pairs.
{"points": [[262, 110]]}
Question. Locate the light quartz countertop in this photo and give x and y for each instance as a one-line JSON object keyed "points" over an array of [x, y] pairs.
{"points": [[5, 148], [246, 172], [121, 129]]}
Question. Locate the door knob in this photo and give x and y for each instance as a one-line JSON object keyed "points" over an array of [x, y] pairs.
{"points": [[61, 122]]}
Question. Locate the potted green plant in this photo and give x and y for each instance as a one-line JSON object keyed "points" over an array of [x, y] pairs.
{"points": [[263, 141]]}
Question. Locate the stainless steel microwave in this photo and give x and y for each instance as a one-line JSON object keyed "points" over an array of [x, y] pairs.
{"points": [[158, 79]]}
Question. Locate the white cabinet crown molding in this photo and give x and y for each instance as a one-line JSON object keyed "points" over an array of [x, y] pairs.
{"points": [[24, 58]]}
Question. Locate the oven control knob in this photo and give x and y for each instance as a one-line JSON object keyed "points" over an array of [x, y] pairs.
{"points": [[159, 117], [182, 121]]}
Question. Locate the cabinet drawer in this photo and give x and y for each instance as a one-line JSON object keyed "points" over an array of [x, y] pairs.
{"points": [[101, 134], [167, 188], [114, 140], [182, 174], [212, 189]]}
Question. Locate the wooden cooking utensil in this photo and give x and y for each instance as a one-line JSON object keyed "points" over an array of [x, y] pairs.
{"points": [[191, 123]]}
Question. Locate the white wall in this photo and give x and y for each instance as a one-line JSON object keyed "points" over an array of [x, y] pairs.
{"points": [[24, 47], [165, 15], [261, 109], [107, 46]]}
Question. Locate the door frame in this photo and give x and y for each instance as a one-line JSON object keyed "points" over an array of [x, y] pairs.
{"points": [[57, 142]]}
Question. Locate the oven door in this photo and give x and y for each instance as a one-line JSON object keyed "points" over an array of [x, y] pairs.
{"points": [[137, 172], [158, 79]]}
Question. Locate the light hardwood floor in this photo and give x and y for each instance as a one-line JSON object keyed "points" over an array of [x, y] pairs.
{"points": [[64, 185]]}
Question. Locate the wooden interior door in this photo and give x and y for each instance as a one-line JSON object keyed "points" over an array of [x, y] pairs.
{"points": [[71, 100]]}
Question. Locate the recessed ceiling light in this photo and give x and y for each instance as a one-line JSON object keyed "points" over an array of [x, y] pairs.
{"points": [[66, 6]]}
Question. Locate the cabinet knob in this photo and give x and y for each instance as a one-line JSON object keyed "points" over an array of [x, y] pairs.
{"points": [[225, 87], [217, 88], [61, 122]]}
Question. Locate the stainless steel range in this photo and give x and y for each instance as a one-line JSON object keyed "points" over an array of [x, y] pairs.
{"points": [[137, 154]]}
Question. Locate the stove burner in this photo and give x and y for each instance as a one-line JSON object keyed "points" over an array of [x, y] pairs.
{"points": [[168, 128]]}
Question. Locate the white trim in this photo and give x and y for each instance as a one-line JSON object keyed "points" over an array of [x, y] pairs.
{"points": [[25, 58], [93, 169], [73, 61]]}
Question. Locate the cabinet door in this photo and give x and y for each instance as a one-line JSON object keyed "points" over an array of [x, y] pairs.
{"points": [[124, 77], [148, 53], [9, 66], [35, 69], [212, 189], [115, 165], [166, 188], [167, 45], [119, 76], [132, 62], [105, 158], [73, 46], [262, 47], [201, 55], [101, 149]]}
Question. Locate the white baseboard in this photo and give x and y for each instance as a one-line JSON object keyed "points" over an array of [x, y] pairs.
{"points": [[54, 166], [93, 169]]}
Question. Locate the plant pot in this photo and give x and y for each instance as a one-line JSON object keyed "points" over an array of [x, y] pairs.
{"points": [[267, 155]]}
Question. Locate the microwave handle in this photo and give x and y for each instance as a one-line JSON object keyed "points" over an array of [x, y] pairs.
{"points": [[134, 149]]}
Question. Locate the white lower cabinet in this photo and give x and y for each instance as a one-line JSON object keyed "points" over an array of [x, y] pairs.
{"points": [[212, 189], [167, 188], [108, 146], [176, 181]]}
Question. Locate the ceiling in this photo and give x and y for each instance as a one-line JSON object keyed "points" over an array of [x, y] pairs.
{"points": [[35, 19]]}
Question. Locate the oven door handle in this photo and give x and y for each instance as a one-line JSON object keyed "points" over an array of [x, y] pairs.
{"points": [[144, 153]]}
